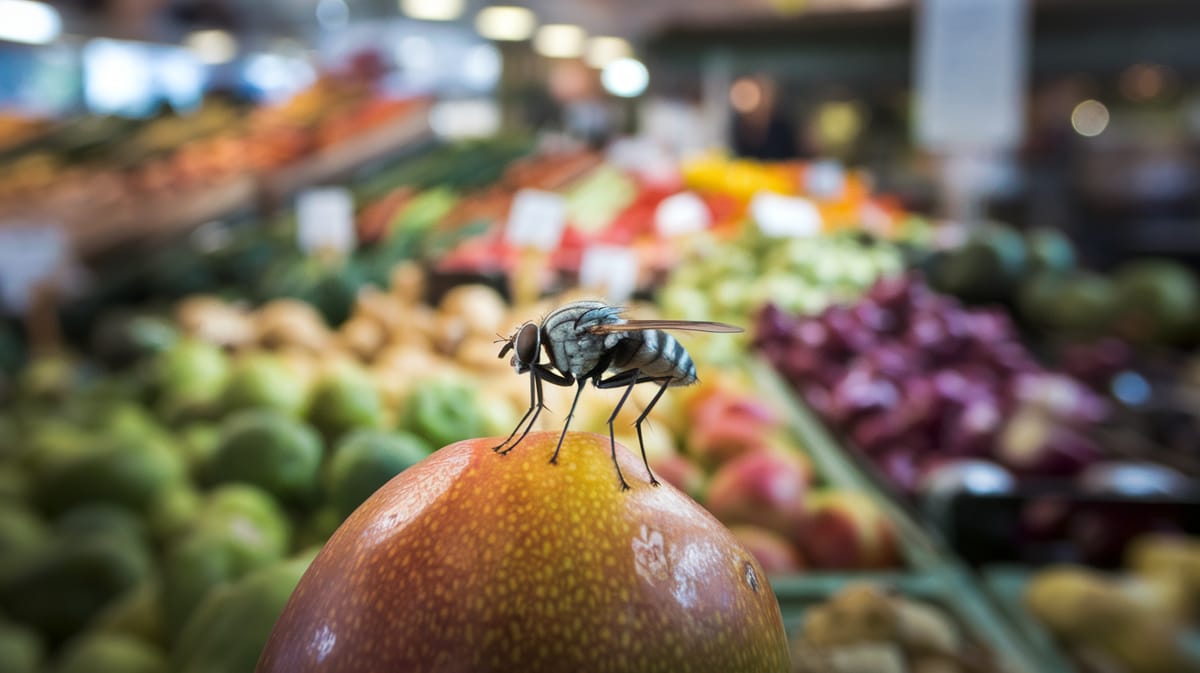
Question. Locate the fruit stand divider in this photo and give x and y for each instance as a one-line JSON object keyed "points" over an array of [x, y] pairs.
{"points": [[934, 573], [1005, 586]]}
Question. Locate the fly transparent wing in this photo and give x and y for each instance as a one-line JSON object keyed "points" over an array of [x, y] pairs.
{"points": [[681, 325]]}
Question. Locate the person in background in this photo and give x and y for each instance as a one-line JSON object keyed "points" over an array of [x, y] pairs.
{"points": [[760, 129]]}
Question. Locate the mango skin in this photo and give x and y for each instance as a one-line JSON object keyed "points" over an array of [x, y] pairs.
{"points": [[472, 562]]}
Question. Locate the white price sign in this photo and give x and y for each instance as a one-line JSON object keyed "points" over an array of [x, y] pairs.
{"points": [[971, 73], [536, 219], [30, 254], [325, 220], [612, 268], [781, 216], [682, 213]]}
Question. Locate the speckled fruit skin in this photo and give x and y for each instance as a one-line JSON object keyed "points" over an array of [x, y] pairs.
{"points": [[472, 562]]}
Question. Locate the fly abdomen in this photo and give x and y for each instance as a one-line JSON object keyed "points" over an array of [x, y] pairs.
{"points": [[655, 354]]}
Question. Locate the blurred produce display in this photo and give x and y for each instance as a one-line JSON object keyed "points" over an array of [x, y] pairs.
{"points": [[209, 451], [1145, 301], [864, 628], [1143, 620], [917, 381], [116, 165]]}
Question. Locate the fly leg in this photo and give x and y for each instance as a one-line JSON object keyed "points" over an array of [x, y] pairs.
{"points": [[535, 402], [638, 424], [612, 440], [578, 392], [538, 373]]}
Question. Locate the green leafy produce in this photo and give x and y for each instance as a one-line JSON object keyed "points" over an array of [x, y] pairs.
{"points": [[270, 450], [365, 460]]}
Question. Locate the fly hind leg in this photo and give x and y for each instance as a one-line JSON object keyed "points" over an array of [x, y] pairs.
{"points": [[630, 379]]}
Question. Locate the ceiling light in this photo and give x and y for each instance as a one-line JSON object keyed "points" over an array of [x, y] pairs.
{"points": [[603, 50], [432, 10], [746, 95], [211, 47], [510, 24], [1089, 118], [29, 22], [625, 77], [559, 40]]}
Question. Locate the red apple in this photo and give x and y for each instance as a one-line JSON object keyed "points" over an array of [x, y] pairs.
{"points": [[764, 488], [847, 530]]}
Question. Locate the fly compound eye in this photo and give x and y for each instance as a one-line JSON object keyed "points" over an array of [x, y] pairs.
{"points": [[529, 339]]}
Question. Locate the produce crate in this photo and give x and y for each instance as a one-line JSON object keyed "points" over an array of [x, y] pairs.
{"points": [[1048, 522], [1006, 585], [952, 591]]}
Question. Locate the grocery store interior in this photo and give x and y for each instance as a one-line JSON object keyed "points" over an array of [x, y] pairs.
{"points": [[548, 336]]}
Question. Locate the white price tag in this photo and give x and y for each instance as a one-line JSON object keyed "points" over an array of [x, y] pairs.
{"points": [[971, 73], [682, 213], [536, 219], [825, 179], [612, 268], [782, 216], [325, 220], [29, 254]]}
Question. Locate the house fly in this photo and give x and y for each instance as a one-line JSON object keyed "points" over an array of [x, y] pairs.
{"points": [[585, 340]]}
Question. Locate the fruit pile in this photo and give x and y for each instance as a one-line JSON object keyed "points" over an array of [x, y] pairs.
{"points": [[917, 381], [1147, 301], [738, 460], [865, 629], [1139, 622], [730, 280]]}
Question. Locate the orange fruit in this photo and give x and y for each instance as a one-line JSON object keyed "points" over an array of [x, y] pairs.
{"points": [[471, 561]]}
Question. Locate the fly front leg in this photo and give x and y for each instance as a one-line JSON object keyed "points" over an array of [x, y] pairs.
{"points": [[538, 373], [535, 402], [567, 424]]}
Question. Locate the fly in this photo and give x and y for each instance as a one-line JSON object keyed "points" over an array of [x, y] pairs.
{"points": [[585, 340]]}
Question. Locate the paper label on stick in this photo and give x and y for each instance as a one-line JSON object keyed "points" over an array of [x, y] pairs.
{"points": [[325, 220], [781, 216], [612, 268], [29, 255], [536, 220]]}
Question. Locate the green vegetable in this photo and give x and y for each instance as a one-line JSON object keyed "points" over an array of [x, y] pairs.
{"points": [[230, 627], [442, 413], [366, 460], [270, 450]]}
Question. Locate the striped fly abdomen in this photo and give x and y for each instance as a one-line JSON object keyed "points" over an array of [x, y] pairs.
{"points": [[655, 354]]}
